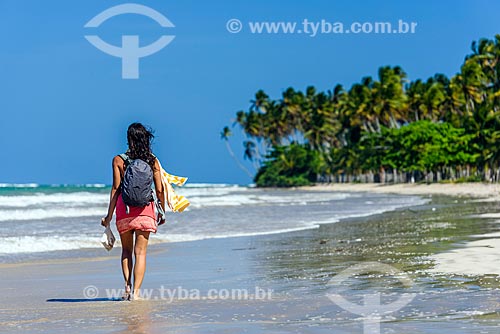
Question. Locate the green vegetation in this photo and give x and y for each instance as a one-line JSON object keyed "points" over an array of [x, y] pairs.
{"points": [[387, 129], [289, 166]]}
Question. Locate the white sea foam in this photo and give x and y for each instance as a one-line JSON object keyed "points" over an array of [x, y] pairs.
{"points": [[36, 244], [181, 237], [256, 198], [19, 185], [40, 214], [95, 185], [211, 185], [36, 185], [41, 200], [190, 192], [40, 205]]}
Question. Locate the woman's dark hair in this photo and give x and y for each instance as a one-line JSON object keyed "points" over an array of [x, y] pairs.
{"points": [[139, 143]]}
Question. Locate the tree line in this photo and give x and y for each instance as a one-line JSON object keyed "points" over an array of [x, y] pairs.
{"points": [[384, 129]]}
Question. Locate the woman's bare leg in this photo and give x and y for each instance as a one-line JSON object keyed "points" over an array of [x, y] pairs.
{"points": [[127, 240], [141, 246]]}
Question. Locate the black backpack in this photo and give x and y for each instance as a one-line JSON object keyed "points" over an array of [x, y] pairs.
{"points": [[136, 187]]}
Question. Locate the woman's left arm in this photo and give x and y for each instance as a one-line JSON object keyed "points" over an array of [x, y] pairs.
{"points": [[115, 191], [159, 188]]}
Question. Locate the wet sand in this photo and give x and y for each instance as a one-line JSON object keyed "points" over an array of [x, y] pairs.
{"points": [[48, 297]]}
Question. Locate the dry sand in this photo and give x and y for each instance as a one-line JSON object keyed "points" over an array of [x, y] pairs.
{"points": [[477, 257], [460, 189]]}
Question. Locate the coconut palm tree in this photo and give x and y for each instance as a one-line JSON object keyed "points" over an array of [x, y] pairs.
{"points": [[225, 134]]}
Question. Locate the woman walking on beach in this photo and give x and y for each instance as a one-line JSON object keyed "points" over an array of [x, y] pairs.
{"points": [[135, 222]]}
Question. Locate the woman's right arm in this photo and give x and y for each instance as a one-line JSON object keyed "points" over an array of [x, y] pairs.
{"points": [[115, 191]]}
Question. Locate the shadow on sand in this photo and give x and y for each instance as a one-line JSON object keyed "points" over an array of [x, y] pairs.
{"points": [[82, 300]]}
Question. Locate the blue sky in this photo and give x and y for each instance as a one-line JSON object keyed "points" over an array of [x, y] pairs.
{"points": [[65, 107]]}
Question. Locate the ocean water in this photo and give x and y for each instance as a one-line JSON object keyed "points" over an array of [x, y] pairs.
{"points": [[56, 218]]}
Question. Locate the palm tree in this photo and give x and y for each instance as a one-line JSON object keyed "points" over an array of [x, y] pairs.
{"points": [[415, 90], [224, 135], [388, 95]]}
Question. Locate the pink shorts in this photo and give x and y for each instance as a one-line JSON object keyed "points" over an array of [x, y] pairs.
{"points": [[141, 223], [143, 219]]}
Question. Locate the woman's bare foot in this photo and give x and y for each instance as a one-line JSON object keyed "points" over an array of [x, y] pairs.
{"points": [[136, 295], [126, 294]]}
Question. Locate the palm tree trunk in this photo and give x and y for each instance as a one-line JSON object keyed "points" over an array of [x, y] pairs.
{"points": [[237, 161]]}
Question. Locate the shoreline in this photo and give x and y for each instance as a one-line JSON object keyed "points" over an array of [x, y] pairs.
{"points": [[47, 297], [472, 189]]}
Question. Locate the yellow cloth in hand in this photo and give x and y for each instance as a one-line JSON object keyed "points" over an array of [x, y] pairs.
{"points": [[176, 203]]}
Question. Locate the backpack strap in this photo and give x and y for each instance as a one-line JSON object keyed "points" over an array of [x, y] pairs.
{"points": [[126, 159]]}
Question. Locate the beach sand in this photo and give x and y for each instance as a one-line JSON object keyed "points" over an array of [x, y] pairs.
{"points": [[52, 297], [483, 190], [448, 247], [477, 257]]}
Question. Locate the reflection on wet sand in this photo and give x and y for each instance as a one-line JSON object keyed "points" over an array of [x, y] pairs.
{"points": [[136, 316]]}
